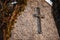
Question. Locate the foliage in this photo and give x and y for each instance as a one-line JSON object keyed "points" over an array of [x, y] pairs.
{"points": [[9, 12]]}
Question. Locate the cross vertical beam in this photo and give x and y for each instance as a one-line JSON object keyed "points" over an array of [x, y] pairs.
{"points": [[38, 19]]}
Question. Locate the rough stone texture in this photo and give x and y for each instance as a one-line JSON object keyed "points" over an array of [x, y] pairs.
{"points": [[26, 26]]}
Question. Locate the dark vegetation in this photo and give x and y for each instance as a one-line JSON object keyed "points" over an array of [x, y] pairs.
{"points": [[8, 14], [56, 13]]}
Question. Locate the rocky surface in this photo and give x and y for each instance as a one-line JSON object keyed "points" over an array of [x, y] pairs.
{"points": [[26, 26]]}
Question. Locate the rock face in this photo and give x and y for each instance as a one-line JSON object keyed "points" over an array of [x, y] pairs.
{"points": [[26, 26]]}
